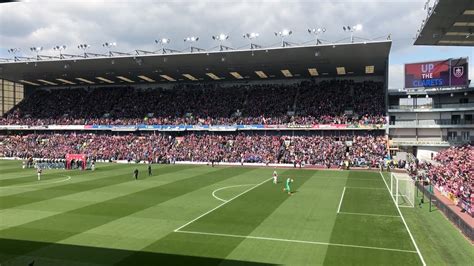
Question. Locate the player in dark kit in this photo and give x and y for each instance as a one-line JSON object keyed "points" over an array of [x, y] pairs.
{"points": [[149, 170], [135, 174]]}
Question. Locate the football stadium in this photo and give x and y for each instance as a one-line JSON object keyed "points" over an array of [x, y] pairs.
{"points": [[321, 145]]}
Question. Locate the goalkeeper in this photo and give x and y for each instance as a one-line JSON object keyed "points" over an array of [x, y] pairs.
{"points": [[288, 185]]}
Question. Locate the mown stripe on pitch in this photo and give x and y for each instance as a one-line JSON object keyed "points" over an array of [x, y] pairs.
{"points": [[13, 168], [33, 175], [67, 254], [6, 171], [48, 193], [242, 215], [340, 234], [32, 171], [64, 225], [45, 193]]}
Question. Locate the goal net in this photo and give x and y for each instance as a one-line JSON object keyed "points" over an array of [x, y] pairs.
{"points": [[402, 189]]}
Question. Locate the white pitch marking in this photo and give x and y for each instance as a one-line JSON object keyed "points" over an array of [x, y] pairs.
{"points": [[340, 202], [345, 178], [222, 204], [40, 183], [404, 222], [296, 241], [367, 187], [368, 214], [222, 188]]}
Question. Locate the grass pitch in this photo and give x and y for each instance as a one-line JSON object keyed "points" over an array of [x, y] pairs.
{"points": [[199, 215]]}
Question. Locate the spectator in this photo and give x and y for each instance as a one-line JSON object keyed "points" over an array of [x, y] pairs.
{"points": [[452, 174], [248, 148], [306, 103]]}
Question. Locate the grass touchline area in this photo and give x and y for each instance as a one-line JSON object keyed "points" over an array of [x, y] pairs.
{"points": [[294, 241], [202, 215]]}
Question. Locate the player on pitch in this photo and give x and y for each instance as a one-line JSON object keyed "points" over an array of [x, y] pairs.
{"points": [[39, 171], [287, 185], [275, 177], [135, 174]]}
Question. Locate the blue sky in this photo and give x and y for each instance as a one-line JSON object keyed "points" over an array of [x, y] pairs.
{"points": [[136, 24]]}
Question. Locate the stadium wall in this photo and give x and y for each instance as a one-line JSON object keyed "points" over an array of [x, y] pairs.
{"points": [[464, 226], [11, 93], [424, 153]]}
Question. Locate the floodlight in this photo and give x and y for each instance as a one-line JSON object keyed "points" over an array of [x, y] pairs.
{"points": [[109, 44], [36, 49], [59, 47], [351, 29], [83, 46], [251, 35], [191, 39], [317, 30], [163, 41], [220, 37], [284, 33], [13, 50]]}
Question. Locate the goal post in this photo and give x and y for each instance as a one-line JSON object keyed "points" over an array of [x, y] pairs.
{"points": [[402, 189]]}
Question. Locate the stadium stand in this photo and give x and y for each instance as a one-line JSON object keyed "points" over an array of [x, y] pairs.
{"points": [[451, 174], [360, 150], [306, 103]]}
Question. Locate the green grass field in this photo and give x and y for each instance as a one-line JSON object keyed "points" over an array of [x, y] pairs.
{"points": [[198, 215]]}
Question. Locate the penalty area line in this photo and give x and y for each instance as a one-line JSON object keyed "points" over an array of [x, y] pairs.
{"points": [[297, 241], [340, 202], [369, 214], [404, 222], [220, 205], [382, 188]]}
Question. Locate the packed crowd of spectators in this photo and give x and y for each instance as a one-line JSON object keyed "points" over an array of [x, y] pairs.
{"points": [[305, 150], [336, 101], [305, 103], [105, 147], [452, 173], [317, 150]]}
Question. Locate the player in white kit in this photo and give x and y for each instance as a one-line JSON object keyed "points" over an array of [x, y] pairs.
{"points": [[275, 177], [39, 173]]}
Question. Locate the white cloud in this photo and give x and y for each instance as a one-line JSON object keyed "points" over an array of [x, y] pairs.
{"points": [[136, 24]]}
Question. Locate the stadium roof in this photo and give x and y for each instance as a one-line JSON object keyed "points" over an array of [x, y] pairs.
{"points": [[448, 23], [334, 60]]}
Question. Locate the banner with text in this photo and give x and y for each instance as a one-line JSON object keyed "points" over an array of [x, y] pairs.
{"points": [[451, 72]]}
